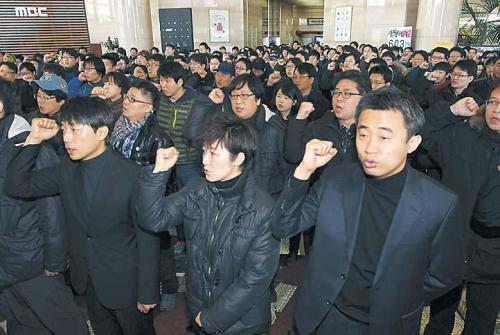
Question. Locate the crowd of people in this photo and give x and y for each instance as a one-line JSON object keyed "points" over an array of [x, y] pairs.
{"points": [[384, 160]]}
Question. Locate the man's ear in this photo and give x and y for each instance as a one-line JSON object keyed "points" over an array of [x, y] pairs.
{"points": [[413, 143], [102, 132], [240, 158]]}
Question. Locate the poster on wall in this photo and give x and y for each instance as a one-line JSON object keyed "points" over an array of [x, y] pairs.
{"points": [[343, 17], [400, 37], [219, 25]]}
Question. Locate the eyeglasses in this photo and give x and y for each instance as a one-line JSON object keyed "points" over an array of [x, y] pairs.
{"points": [[301, 76], [88, 69], [150, 66], [438, 58], [240, 68], [345, 94], [377, 82], [243, 96], [461, 75], [132, 99], [492, 102], [44, 97]]}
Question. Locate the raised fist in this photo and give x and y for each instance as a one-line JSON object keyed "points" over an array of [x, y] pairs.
{"points": [[273, 78], [317, 154], [465, 107], [165, 159], [41, 129], [305, 109], [217, 96]]}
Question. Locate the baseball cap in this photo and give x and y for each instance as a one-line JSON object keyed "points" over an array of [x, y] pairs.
{"points": [[51, 82], [273, 56], [226, 68]]}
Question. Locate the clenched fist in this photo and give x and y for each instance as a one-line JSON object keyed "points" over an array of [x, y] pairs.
{"points": [[317, 154], [165, 159], [305, 109], [273, 78], [217, 96], [41, 129], [465, 107]]}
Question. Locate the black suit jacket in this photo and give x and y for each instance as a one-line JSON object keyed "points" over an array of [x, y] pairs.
{"points": [[422, 256], [106, 243]]}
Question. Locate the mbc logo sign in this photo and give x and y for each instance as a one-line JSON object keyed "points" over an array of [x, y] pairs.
{"points": [[31, 11]]}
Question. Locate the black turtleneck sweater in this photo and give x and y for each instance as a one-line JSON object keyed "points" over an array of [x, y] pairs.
{"points": [[380, 200], [91, 170]]}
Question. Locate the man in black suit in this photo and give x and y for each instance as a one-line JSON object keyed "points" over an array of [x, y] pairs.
{"points": [[113, 261], [387, 237]]}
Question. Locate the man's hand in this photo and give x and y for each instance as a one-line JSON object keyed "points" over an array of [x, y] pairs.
{"points": [[217, 96], [273, 78], [197, 319], [305, 109], [98, 91], [50, 273], [424, 65], [465, 107], [41, 129], [317, 154], [165, 159], [145, 308]]}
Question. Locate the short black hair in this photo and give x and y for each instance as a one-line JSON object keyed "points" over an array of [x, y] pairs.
{"points": [[388, 98], [295, 61], [362, 83], [8, 96], [119, 79], [112, 57], [97, 63], [389, 54], [468, 65], [355, 43], [148, 89], [54, 68], [344, 56], [88, 111], [254, 84], [496, 85], [442, 50], [422, 53], [12, 66], [199, 58], [122, 51], [172, 70], [460, 50], [442, 66], [234, 136], [134, 48], [155, 49], [377, 61], [313, 53], [70, 51], [28, 66], [307, 68], [158, 58], [383, 70], [246, 61]]}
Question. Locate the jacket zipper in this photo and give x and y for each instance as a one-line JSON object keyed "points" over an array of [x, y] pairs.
{"points": [[220, 204]]}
